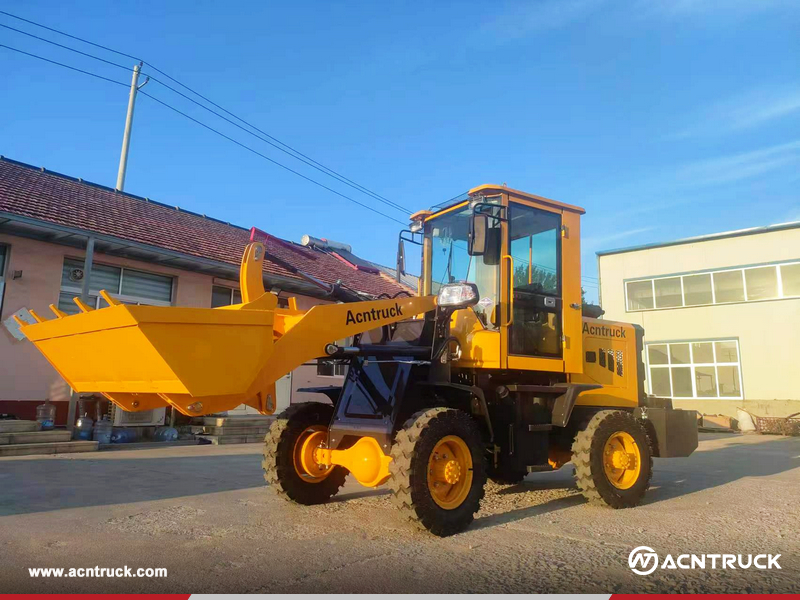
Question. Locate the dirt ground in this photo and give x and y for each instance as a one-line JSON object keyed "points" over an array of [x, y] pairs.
{"points": [[204, 513]]}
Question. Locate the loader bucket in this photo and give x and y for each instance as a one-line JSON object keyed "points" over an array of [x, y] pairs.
{"points": [[148, 356]]}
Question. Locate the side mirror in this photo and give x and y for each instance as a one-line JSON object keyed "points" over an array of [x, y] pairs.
{"points": [[401, 258], [478, 228]]}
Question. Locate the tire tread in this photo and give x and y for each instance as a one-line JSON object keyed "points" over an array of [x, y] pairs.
{"points": [[279, 473], [587, 441], [406, 483]]}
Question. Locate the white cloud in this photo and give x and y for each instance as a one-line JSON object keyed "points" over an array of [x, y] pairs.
{"points": [[701, 182], [594, 242], [737, 167], [746, 111], [524, 18], [717, 10], [516, 20], [709, 13]]}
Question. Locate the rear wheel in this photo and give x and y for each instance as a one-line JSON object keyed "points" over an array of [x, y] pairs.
{"points": [[438, 470], [289, 465], [612, 458]]}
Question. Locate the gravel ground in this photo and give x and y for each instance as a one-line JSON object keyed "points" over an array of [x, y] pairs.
{"points": [[204, 514]]}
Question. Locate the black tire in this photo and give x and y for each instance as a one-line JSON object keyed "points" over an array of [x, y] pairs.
{"points": [[504, 475], [587, 456], [278, 464], [413, 447]]}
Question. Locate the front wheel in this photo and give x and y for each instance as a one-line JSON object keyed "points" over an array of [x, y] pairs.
{"points": [[289, 463], [438, 470], [612, 458]]}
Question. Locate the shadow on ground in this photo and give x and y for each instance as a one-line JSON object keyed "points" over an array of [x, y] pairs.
{"points": [[529, 511], [672, 477], [770, 455], [54, 483]]}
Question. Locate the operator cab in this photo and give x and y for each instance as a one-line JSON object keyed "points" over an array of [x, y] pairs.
{"points": [[523, 254]]}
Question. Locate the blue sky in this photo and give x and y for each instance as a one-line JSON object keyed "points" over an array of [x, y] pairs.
{"points": [[664, 119]]}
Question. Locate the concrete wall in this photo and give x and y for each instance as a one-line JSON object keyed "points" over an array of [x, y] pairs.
{"points": [[767, 330], [25, 375]]}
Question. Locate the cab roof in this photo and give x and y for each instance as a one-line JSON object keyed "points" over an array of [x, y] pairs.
{"points": [[491, 187]]}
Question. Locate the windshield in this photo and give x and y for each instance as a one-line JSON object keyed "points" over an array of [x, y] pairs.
{"points": [[450, 262]]}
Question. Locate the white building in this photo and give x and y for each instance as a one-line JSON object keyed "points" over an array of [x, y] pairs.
{"points": [[721, 315]]}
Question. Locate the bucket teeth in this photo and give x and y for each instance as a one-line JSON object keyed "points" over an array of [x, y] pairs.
{"points": [[82, 305], [108, 298], [60, 314], [37, 317]]}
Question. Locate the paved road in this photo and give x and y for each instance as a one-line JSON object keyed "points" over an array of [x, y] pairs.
{"points": [[204, 514]]}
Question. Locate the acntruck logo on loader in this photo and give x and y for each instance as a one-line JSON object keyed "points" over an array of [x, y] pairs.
{"points": [[375, 314], [603, 331], [644, 560]]}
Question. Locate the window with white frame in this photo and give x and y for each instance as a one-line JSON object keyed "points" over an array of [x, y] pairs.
{"points": [[695, 369], [129, 286], [330, 368], [744, 284], [224, 296]]}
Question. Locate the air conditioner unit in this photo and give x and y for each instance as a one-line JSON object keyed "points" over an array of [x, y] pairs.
{"points": [[145, 418]]}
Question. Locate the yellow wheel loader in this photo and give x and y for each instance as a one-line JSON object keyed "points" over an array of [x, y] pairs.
{"points": [[491, 371]]}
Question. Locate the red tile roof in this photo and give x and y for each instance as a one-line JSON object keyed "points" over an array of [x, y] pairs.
{"points": [[51, 197]]}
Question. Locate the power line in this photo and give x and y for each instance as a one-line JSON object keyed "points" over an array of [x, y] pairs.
{"points": [[55, 62], [74, 37], [203, 106], [319, 166], [265, 139], [108, 62], [265, 157], [238, 143], [287, 149]]}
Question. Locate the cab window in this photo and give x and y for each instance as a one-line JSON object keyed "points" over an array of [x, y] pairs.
{"points": [[534, 245], [450, 262]]}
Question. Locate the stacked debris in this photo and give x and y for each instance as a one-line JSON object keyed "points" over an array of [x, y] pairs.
{"points": [[24, 438], [240, 429], [778, 425]]}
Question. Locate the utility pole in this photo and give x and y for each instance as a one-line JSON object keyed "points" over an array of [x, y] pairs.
{"points": [[126, 137]]}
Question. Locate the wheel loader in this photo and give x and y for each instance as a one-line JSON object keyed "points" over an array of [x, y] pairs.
{"points": [[490, 371]]}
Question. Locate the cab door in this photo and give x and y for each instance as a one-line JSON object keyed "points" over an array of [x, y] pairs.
{"points": [[535, 321]]}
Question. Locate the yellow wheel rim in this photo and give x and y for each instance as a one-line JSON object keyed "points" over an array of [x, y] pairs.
{"points": [[450, 472], [305, 463], [622, 460]]}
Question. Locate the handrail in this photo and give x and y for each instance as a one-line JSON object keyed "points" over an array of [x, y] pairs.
{"points": [[510, 316]]}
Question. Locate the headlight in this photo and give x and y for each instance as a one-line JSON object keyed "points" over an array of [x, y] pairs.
{"points": [[458, 294]]}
